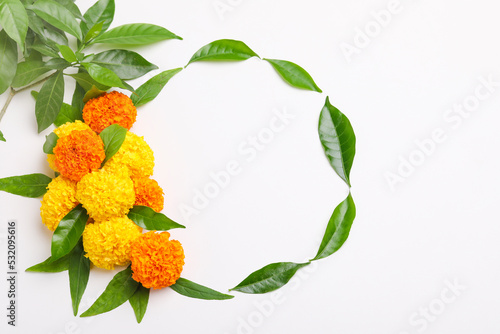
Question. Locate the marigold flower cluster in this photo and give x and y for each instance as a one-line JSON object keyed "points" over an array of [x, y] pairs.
{"points": [[108, 191]]}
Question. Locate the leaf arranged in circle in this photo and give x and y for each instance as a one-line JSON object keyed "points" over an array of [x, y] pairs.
{"points": [[135, 33], [139, 302], [269, 278], [68, 232], [58, 16], [338, 140], [293, 74], [151, 88], [124, 63], [50, 143], [190, 289], [338, 228], [49, 266], [31, 185], [8, 61], [79, 271], [113, 137], [223, 49], [148, 219], [49, 101], [118, 291], [14, 20]]}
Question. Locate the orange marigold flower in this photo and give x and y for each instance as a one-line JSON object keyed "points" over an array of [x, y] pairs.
{"points": [[156, 261], [79, 153], [148, 193], [109, 108], [62, 131]]}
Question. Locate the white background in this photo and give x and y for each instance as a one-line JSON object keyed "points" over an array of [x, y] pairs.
{"points": [[437, 226]]}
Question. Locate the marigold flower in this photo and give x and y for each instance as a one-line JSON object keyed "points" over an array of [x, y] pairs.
{"points": [[78, 153], [62, 131], [105, 194], [156, 261], [136, 154], [148, 193], [58, 201], [107, 243], [107, 109]]}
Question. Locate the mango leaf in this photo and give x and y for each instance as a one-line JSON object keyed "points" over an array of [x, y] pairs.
{"points": [[113, 137], [57, 64], [35, 23], [14, 20], [72, 7], [77, 101], [103, 75], [151, 88], [68, 114], [126, 64], [139, 302], [94, 32], [118, 291], [54, 36], [67, 53], [45, 50], [147, 218], [86, 82], [92, 93], [337, 229], [102, 11], [338, 140], [8, 59], [269, 278], [2, 138], [293, 74], [58, 16], [223, 49], [68, 232], [49, 101], [190, 289], [79, 271], [31, 185], [49, 266], [28, 71], [135, 33], [50, 143]]}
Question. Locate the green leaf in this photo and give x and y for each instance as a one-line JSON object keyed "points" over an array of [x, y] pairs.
{"points": [[77, 102], [79, 271], [14, 20], [45, 50], [103, 75], [118, 291], [68, 232], [8, 61], [92, 93], [2, 138], [31, 185], [190, 289], [49, 101], [151, 88], [126, 64], [269, 278], [67, 53], [136, 33], [147, 218], [54, 36], [102, 11], [293, 74], [338, 140], [86, 81], [68, 114], [72, 7], [35, 23], [28, 71], [49, 266], [58, 16], [139, 302], [223, 49], [113, 137], [57, 64], [50, 143], [337, 229], [94, 32]]}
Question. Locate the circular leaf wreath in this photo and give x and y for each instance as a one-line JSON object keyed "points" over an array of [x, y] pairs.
{"points": [[75, 238]]}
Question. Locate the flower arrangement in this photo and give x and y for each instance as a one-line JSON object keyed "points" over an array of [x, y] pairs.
{"points": [[103, 205]]}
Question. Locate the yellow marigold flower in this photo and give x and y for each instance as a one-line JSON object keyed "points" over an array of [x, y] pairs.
{"points": [[136, 154], [106, 194], [109, 108], [107, 243], [62, 131], [78, 153], [156, 261], [58, 201], [148, 193]]}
